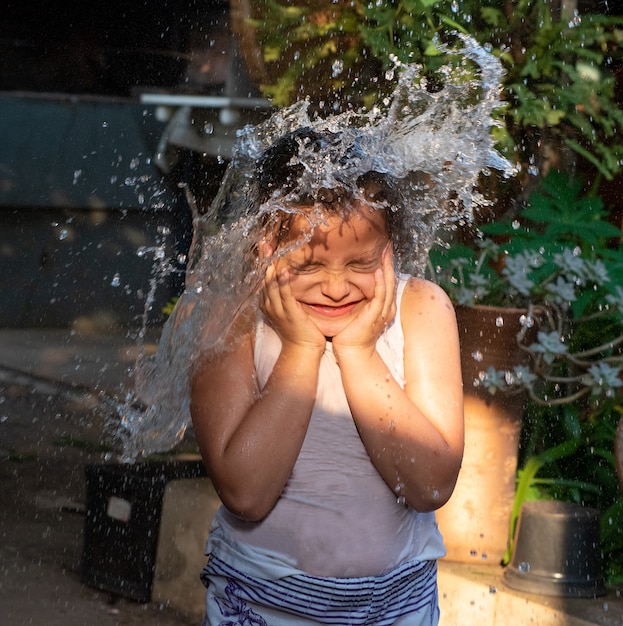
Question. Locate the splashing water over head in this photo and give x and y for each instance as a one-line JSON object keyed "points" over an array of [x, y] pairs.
{"points": [[418, 159]]}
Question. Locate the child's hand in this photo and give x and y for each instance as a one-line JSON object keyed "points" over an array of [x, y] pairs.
{"points": [[284, 313], [367, 327]]}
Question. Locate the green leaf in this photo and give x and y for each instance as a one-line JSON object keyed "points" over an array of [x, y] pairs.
{"points": [[493, 17], [607, 172]]}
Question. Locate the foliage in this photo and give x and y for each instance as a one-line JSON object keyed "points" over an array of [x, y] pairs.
{"points": [[559, 83], [561, 260], [167, 309], [555, 260]]}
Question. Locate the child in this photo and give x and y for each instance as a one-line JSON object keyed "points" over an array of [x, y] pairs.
{"points": [[332, 423]]}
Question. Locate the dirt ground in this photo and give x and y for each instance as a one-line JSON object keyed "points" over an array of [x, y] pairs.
{"points": [[48, 433]]}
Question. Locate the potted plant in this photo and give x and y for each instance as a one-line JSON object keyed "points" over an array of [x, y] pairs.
{"points": [[555, 271], [573, 461], [553, 262]]}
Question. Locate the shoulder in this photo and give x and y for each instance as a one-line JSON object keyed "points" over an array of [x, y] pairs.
{"points": [[426, 308], [431, 336], [424, 294]]}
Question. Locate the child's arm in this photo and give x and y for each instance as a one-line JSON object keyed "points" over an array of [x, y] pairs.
{"points": [[414, 436], [251, 440]]}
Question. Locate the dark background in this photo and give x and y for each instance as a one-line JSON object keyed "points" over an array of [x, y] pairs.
{"points": [[106, 47]]}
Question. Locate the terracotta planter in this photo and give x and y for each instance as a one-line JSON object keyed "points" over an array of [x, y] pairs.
{"points": [[475, 522]]}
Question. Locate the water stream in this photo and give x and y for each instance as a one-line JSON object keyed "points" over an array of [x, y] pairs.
{"points": [[432, 143]]}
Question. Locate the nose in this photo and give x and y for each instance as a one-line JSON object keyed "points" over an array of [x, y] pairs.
{"points": [[335, 286]]}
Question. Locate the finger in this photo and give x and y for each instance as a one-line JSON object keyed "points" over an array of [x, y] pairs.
{"points": [[271, 297], [377, 305], [380, 287], [288, 301], [387, 263], [266, 250], [389, 275]]}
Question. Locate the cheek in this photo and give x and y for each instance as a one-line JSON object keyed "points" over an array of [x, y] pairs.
{"points": [[365, 283], [300, 284]]}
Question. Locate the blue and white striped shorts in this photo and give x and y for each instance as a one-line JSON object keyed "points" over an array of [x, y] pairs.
{"points": [[404, 596]]}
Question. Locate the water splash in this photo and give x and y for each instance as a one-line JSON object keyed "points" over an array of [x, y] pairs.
{"points": [[433, 143]]}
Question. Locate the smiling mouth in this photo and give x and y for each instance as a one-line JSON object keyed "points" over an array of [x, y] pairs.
{"points": [[332, 311]]}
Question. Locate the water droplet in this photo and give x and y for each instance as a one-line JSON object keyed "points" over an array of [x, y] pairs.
{"points": [[577, 19], [228, 116], [478, 356], [499, 321], [523, 567], [116, 280], [337, 68]]}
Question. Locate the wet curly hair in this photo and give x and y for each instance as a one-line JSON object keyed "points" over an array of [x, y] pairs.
{"points": [[279, 171]]}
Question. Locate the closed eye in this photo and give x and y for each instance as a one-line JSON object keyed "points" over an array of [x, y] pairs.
{"points": [[366, 269], [364, 265], [307, 268]]}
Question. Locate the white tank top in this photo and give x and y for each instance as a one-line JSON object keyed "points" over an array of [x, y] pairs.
{"points": [[336, 517]]}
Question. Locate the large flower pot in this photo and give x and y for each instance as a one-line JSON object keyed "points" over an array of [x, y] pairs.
{"points": [[475, 522]]}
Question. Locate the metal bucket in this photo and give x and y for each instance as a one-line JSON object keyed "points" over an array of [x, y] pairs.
{"points": [[557, 551]]}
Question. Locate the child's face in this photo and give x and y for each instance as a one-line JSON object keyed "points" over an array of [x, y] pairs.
{"points": [[332, 276]]}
